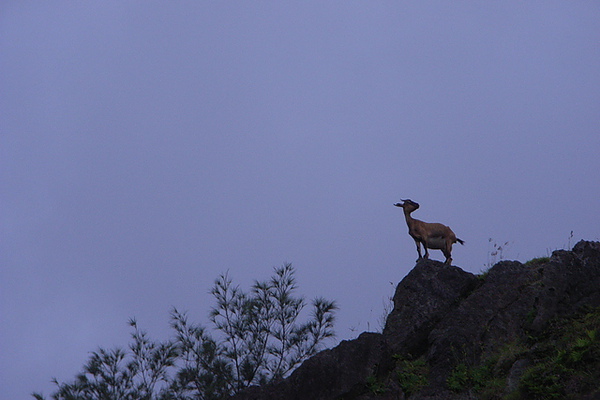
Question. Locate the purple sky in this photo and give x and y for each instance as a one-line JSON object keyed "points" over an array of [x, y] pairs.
{"points": [[147, 147]]}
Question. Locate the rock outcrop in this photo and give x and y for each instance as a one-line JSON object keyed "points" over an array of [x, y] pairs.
{"points": [[449, 328]]}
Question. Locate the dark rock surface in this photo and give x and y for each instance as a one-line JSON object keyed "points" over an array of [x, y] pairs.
{"points": [[428, 293], [330, 373], [446, 316]]}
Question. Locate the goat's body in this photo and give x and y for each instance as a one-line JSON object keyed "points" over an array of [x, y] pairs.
{"points": [[435, 242], [433, 236]]}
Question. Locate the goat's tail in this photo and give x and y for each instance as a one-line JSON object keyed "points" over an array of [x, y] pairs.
{"points": [[460, 241]]}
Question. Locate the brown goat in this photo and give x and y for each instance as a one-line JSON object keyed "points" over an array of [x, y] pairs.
{"points": [[431, 235]]}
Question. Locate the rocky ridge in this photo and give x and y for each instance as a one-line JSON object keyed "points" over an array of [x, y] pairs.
{"points": [[455, 335]]}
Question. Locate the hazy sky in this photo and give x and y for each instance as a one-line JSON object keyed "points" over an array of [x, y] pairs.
{"points": [[147, 147]]}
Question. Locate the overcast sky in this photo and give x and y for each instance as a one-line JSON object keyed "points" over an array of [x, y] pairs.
{"points": [[147, 147]]}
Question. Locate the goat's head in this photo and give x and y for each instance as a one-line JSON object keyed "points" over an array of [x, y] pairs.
{"points": [[408, 205]]}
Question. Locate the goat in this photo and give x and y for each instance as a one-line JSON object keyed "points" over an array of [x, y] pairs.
{"points": [[431, 235]]}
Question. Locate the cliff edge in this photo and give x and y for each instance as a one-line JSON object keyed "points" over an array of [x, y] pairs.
{"points": [[519, 331]]}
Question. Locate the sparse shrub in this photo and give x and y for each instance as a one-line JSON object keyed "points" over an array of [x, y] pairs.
{"points": [[412, 375], [459, 378], [259, 340], [375, 386], [464, 377], [566, 359], [537, 261], [495, 252], [544, 381]]}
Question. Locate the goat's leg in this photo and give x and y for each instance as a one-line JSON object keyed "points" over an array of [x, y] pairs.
{"points": [[419, 249], [426, 250], [448, 253]]}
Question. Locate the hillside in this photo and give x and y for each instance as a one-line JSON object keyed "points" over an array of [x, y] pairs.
{"points": [[519, 331]]}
